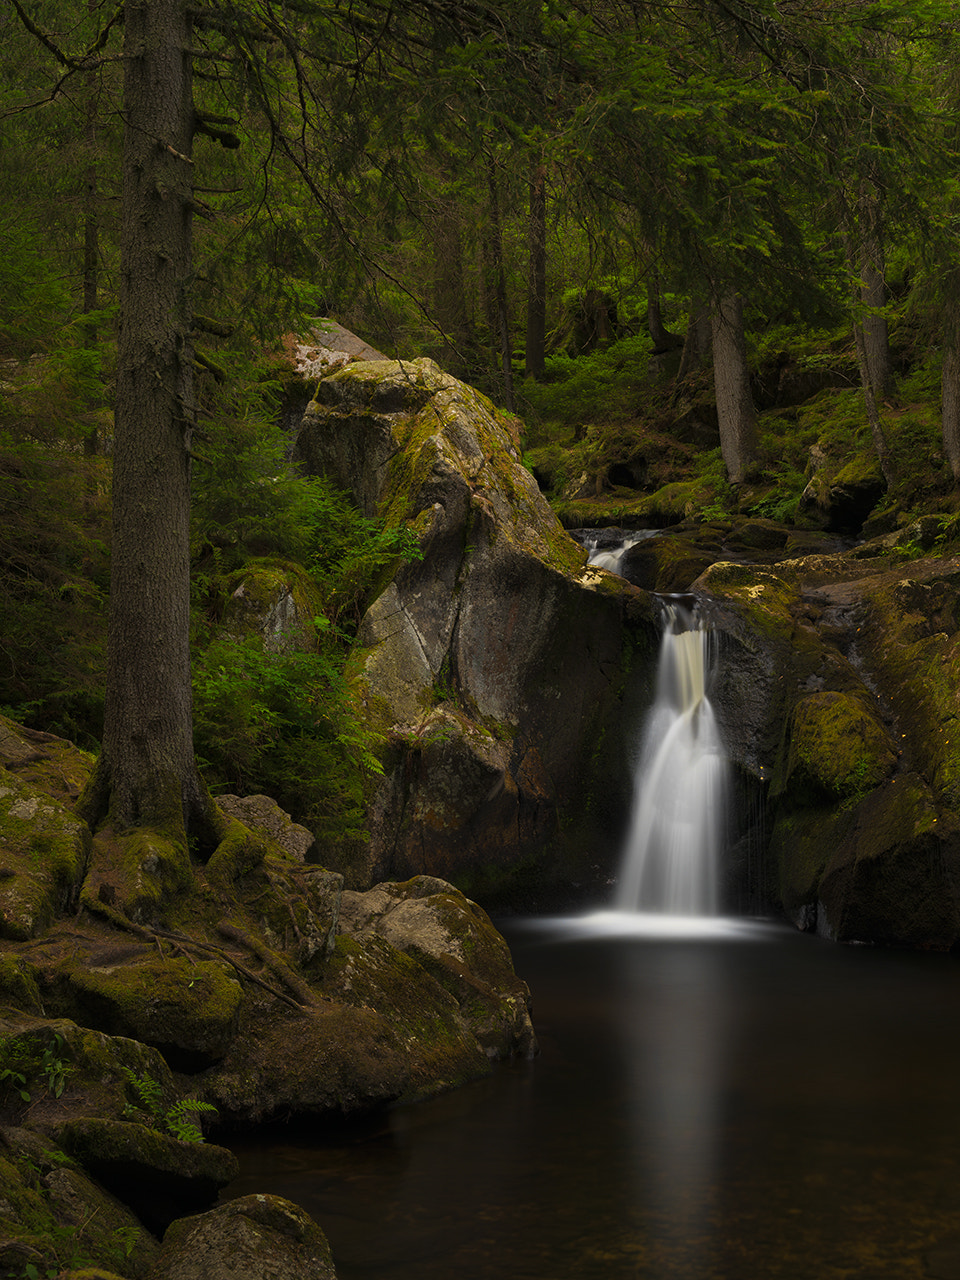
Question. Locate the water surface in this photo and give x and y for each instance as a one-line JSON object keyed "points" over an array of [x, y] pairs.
{"points": [[735, 1103]]}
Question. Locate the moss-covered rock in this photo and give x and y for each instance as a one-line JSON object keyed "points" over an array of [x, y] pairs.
{"points": [[158, 1176], [275, 600], [837, 747], [257, 1237], [74, 1222], [895, 877], [455, 941], [665, 564], [497, 624], [44, 852], [186, 1008], [74, 1071]]}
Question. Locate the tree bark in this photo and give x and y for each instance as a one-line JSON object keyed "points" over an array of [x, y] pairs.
{"points": [[871, 377], [950, 400], [661, 337], [496, 287], [735, 409], [537, 279], [146, 775], [873, 295], [697, 343]]}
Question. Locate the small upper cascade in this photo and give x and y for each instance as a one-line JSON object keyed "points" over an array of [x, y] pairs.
{"points": [[606, 547]]}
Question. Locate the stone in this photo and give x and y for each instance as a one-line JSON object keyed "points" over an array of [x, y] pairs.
{"points": [[256, 1237], [455, 941], [157, 1176], [263, 814], [188, 1009], [495, 663], [44, 854]]}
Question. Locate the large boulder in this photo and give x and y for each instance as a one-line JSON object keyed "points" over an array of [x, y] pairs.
{"points": [[44, 853], [255, 1237], [496, 664]]}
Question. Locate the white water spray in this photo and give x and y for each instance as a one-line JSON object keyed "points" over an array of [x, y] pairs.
{"points": [[678, 819]]}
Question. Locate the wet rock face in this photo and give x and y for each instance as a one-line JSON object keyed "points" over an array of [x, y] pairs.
{"points": [[839, 695], [495, 664]]}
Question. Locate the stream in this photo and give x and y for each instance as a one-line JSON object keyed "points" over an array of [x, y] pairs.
{"points": [[742, 1102]]}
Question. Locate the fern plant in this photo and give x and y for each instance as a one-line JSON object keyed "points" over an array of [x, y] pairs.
{"points": [[150, 1108]]}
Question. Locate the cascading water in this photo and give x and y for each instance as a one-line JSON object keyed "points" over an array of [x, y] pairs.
{"points": [[671, 859]]}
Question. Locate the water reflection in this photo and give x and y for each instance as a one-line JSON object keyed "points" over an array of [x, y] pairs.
{"points": [[701, 1109]]}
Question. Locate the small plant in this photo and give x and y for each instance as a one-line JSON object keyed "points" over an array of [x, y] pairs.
{"points": [[151, 1108], [21, 1064], [32, 1273]]}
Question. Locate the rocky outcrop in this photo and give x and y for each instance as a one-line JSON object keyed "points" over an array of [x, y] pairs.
{"points": [[257, 989], [495, 664], [838, 698]]}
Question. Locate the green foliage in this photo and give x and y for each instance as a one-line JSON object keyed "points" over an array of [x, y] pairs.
{"points": [[53, 584], [283, 724], [33, 297], [24, 1065], [602, 386], [150, 1108], [244, 493]]}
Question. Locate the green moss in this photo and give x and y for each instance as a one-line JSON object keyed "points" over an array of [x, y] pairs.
{"points": [[18, 984], [764, 598], [44, 852], [239, 853], [911, 640], [164, 1001], [837, 748], [421, 1014]]}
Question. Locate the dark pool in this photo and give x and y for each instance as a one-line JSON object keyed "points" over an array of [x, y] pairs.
{"points": [[750, 1105]]}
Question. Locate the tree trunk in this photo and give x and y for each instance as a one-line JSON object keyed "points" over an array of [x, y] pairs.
{"points": [[449, 294], [869, 375], [735, 410], [496, 286], [537, 281], [661, 337], [91, 229], [146, 775], [697, 343], [873, 295], [950, 399]]}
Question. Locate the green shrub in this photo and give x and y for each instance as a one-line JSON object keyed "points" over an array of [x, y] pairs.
{"points": [[283, 724]]}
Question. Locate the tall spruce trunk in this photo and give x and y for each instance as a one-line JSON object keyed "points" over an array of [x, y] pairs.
{"points": [[496, 285], [870, 344], [735, 409], [146, 774], [537, 279], [950, 393]]}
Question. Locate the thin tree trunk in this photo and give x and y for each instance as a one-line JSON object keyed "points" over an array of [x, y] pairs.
{"points": [[537, 279], [697, 343], [663, 340], [449, 291], [146, 774], [872, 389], [497, 287], [950, 399], [91, 229], [873, 294], [735, 408]]}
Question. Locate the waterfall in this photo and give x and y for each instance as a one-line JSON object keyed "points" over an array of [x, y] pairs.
{"points": [[671, 859]]}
